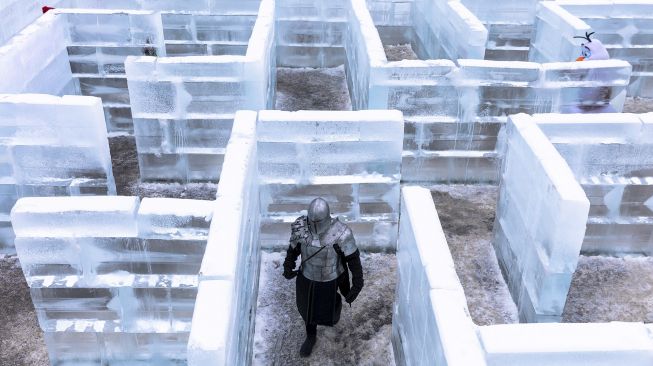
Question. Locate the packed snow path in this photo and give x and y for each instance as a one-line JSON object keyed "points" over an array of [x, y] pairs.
{"points": [[362, 337]]}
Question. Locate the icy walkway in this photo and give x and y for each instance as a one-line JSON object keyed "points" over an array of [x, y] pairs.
{"points": [[606, 289], [467, 216], [312, 89], [362, 337]]}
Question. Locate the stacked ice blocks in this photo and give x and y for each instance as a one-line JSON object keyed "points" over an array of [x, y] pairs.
{"points": [[98, 42], [51, 146], [540, 223], [351, 159], [16, 15], [611, 157], [225, 312], [453, 111], [509, 24], [35, 60], [310, 33], [183, 107], [431, 324], [189, 34], [115, 279], [594, 344], [624, 27]]}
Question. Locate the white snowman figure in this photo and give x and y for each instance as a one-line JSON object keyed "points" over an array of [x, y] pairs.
{"points": [[596, 99]]}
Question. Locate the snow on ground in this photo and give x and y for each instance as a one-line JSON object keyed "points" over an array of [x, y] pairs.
{"points": [[399, 52], [638, 105], [312, 89], [467, 216], [21, 339], [362, 337], [605, 289], [125, 171]]}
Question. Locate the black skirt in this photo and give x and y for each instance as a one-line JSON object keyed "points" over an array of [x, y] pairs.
{"points": [[318, 303]]}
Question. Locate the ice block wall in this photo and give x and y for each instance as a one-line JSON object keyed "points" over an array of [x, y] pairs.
{"points": [[611, 156], [394, 13], [431, 324], [98, 42], [540, 222], [351, 159], [509, 24], [183, 107], [310, 33], [35, 60], [193, 27], [454, 112], [448, 30], [434, 29], [16, 15], [225, 311], [113, 280], [624, 27], [51, 146], [602, 344], [171, 6], [190, 34]]}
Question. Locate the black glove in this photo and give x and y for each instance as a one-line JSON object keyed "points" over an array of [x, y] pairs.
{"points": [[356, 268], [289, 275], [289, 262]]}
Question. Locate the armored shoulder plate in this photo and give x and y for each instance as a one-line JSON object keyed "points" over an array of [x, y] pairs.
{"points": [[299, 232], [346, 239]]}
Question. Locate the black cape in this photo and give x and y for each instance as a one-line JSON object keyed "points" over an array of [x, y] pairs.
{"points": [[320, 303]]}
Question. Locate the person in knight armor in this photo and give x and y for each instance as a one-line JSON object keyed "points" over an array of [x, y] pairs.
{"points": [[328, 253]]}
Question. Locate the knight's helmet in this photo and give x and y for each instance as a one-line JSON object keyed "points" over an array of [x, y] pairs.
{"points": [[592, 50], [319, 216]]}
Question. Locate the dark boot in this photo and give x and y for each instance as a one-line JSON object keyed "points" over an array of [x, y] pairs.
{"points": [[309, 342]]}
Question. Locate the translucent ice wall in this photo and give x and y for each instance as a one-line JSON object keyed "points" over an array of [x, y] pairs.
{"points": [[509, 24], [454, 110], [82, 52], [98, 42], [16, 15], [447, 29], [51, 146], [351, 159], [113, 280], [624, 27], [36, 60], [310, 33], [431, 324], [596, 344], [225, 310], [540, 221], [183, 107], [435, 29], [611, 156], [193, 27]]}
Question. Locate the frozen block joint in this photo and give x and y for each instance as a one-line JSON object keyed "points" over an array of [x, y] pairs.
{"points": [[172, 218], [75, 217]]}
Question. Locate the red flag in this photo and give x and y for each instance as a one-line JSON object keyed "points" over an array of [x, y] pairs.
{"points": [[46, 9]]}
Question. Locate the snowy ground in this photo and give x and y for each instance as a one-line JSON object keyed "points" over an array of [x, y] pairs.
{"points": [[312, 89], [362, 337], [21, 339], [125, 171], [399, 52], [467, 215], [606, 289]]}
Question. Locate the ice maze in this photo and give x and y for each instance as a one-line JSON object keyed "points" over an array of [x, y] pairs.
{"points": [[491, 94]]}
